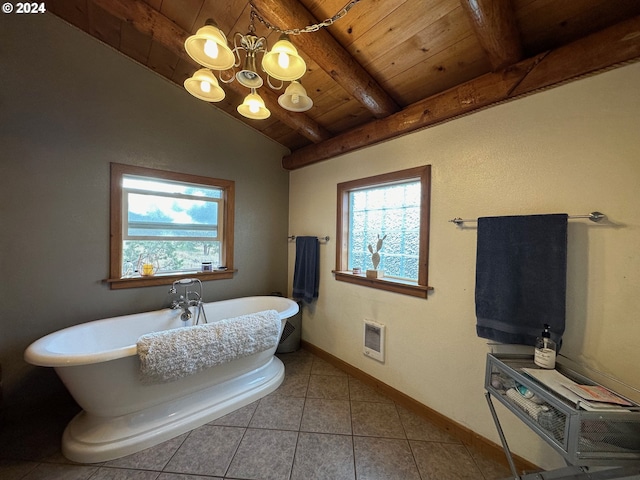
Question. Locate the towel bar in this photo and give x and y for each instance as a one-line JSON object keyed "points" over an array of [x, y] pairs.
{"points": [[322, 239], [593, 216]]}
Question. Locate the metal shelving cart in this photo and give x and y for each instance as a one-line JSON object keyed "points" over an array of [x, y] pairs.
{"points": [[585, 438]]}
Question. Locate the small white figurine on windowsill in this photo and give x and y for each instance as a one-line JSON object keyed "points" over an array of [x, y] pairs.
{"points": [[375, 259]]}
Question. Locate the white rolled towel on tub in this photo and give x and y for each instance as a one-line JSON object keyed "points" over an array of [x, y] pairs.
{"points": [[172, 354]]}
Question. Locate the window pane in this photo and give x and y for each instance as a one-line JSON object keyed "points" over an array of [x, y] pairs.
{"points": [[161, 216], [394, 211], [358, 201], [170, 256]]}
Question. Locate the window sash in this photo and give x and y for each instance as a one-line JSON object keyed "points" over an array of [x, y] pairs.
{"points": [[214, 229]]}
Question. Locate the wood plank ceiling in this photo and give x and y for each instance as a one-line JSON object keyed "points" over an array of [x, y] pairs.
{"points": [[388, 67]]}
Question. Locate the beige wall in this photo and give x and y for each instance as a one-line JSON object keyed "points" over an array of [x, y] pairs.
{"points": [[572, 149]]}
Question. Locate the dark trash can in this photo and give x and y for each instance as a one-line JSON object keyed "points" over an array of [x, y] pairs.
{"points": [[290, 339]]}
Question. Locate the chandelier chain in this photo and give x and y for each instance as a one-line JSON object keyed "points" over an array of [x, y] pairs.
{"points": [[309, 28]]}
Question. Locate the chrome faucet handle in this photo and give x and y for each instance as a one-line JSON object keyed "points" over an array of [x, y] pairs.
{"points": [[185, 301]]}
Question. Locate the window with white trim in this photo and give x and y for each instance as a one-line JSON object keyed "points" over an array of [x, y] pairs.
{"points": [[167, 224], [386, 216]]}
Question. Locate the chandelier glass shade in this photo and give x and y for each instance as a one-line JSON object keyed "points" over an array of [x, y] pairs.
{"points": [[253, 107], [209, 48], [204, 85], [283, 61], [295, 98]]}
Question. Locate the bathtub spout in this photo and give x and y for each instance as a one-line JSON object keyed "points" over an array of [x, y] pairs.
{"points": [[185, 305], [186, 313]]}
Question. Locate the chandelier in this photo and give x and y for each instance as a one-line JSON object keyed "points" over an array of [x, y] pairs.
{"points": [[209, 47]]}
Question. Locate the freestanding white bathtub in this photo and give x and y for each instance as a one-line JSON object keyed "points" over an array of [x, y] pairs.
{"points": [[99, 365]]}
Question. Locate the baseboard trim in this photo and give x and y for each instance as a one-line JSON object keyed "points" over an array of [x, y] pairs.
{"points": [[467, 436]]}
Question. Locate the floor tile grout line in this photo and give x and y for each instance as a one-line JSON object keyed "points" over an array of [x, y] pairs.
{"points": [[353, 430], [295, 452], [355, 464], [474, 460], [415, 461], [404, 429], [353, 443], [235, 452], [176, 451], [113, 467], [408, 440], [304, 404]]}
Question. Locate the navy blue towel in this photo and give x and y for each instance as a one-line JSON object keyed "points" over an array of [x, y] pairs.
{"points": [[521, 277], [306, 276]]}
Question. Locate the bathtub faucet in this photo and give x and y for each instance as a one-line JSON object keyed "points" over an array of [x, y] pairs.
{"points": [[188, 299]]}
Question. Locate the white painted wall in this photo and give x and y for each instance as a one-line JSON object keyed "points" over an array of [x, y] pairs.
{"points": [[572, 149]]}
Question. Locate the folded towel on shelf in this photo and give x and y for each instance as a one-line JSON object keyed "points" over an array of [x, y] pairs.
{"points": [[172, 354], [521, 270], [306, 275]]}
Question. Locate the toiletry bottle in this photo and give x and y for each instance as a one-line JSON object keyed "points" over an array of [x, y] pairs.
{"points": [[545, 353]]}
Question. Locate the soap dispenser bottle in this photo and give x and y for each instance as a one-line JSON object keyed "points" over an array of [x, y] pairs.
{"points": [[545, 353]]}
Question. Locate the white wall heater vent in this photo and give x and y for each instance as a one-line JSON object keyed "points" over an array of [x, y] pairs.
{"points": [[374, 340]]}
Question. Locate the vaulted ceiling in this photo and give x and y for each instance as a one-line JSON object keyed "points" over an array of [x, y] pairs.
{"points": [[388, 67]]}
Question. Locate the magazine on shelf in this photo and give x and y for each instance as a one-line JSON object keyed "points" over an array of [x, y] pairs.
{"points": [[565, 387], [596, 393]]}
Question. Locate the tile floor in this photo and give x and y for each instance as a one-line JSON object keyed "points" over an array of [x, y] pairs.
{"points": [[320, 424]]}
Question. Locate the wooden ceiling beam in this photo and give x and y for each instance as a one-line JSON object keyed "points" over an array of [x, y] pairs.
{"points": [[329, 55], [151, 22], [494, 24], [301, 123], [465, 98], [601, 50], [610, 47]]}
